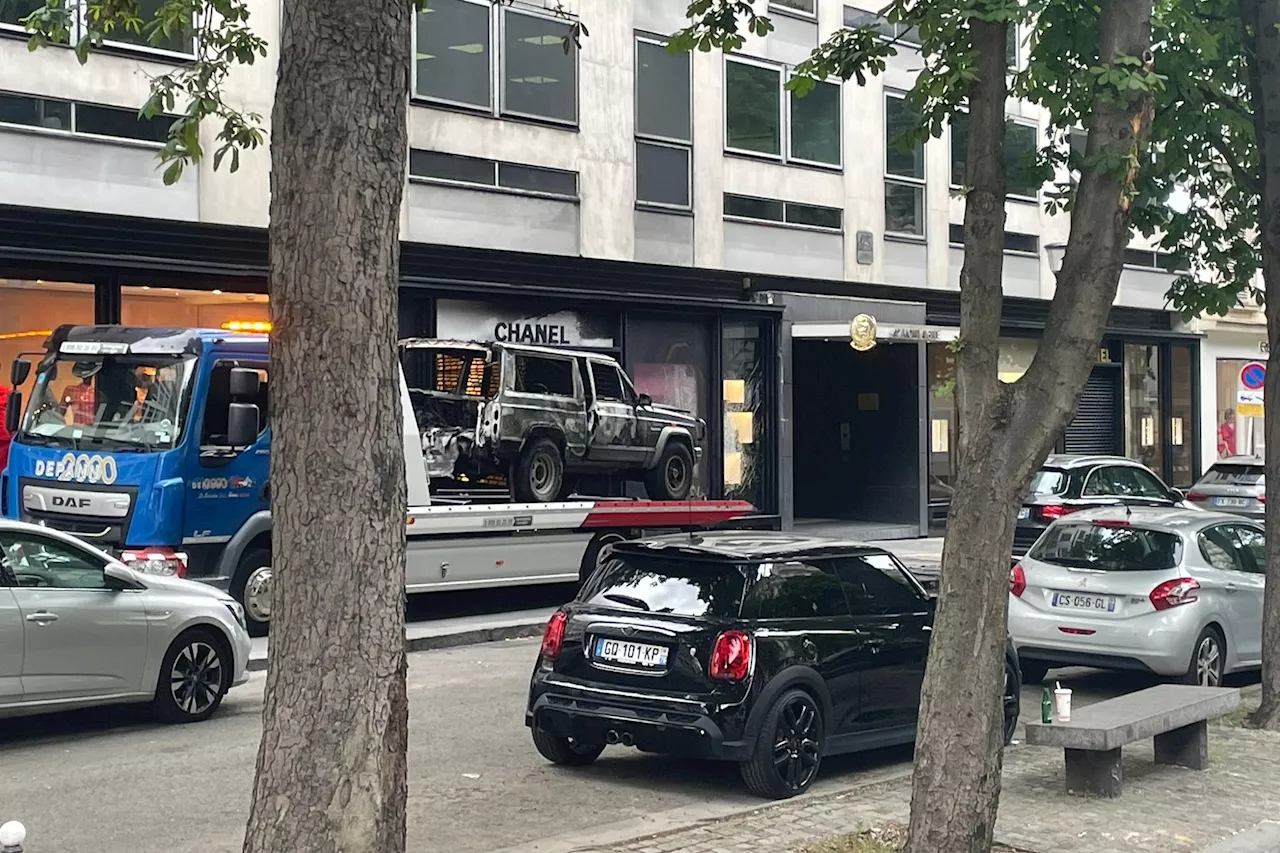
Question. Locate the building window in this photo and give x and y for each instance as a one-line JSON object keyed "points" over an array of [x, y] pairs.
{"points": [[896, 33], [1239, 421], [1143, 439], [179, 43], [756, 113], [664, 126], [1182, 416], [437, 166], [1013, 48], [903, 168], [1027, 244], [803, 8], [1153, 260], [1020, 141], [82, 119], [534, 77], [743, 356], [783, 212]]}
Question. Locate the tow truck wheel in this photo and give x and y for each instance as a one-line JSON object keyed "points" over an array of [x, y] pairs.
{"points": [[252, 587]]}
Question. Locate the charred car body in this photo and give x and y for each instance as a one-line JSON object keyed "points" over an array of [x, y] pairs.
{"points": [[541, 417]]}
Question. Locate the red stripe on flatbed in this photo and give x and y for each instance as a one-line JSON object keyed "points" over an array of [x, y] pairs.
{"points": [[665, 513]]}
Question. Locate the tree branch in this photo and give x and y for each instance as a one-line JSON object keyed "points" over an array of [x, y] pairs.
{"points": [[1238, 172]]}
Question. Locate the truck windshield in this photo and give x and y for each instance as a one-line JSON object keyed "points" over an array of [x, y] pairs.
{"points": [[117, 402]]}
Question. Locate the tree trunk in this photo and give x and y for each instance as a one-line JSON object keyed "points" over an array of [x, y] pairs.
{"points": [[1006, 431], [1261, 21], [331, 766]]}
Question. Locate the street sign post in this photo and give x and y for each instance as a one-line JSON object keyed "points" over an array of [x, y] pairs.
{"points": [[1249, 399]]}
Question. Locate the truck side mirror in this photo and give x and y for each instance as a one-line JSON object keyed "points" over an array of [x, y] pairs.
{"points": [[242, 424], [644, 400], [19, 370], [244, 383], [13, 411]]}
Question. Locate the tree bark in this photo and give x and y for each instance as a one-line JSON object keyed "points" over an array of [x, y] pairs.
{"points": [[331, 771], [1261, 22], [1006, 431]]}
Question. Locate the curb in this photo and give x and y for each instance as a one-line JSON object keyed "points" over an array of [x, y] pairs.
{"points": [[467, 637], [1259, 838]]}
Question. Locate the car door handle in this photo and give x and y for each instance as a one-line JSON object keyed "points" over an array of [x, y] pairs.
{"points": [[42, 617], [1232, 588]]}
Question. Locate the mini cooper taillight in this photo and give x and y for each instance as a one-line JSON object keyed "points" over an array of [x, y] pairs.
{"points": [[554, 635], [730, 656]]}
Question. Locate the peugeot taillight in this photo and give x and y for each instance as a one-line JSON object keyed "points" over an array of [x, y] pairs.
{"points": [[554, 635], [1052, 512], [1017, 580], [1174, 593], [730, 656]]}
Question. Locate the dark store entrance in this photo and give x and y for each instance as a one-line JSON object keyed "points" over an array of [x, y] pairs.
{"points": [[856, 438]]}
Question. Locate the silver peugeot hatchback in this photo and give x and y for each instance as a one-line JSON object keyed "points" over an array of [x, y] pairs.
{"points": [[1175, 592]]}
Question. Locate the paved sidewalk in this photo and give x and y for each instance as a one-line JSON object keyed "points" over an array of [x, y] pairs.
{"points": [[447, 633], [1163, 810]]}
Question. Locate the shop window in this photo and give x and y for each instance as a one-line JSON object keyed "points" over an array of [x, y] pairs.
{"points": [[536, 76], [670, 360], [755, 110], [1143, 437], [664, 125], [744, 387], [200, 309], [1182, 416], [31, 311], [904, 184], [1239, 415], [941, 365], [1020, 141], [1016, 355], [537, 374]]}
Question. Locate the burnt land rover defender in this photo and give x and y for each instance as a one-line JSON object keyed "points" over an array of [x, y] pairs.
{"points": [[540, 417]]}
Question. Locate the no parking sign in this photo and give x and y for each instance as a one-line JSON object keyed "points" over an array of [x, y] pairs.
{"points": [[1249, 402]]}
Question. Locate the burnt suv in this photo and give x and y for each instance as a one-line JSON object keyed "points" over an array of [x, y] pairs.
{"points": [[771, 650], [1068, 483], [539, 417]]}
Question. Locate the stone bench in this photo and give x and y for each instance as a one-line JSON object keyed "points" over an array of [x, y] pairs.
{"points": [[1175, 716]]}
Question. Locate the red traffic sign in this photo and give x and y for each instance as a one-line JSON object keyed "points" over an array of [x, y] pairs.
{"points": [[1253, 375]]}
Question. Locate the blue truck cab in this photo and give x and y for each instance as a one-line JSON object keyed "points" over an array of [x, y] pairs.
{"points": [[151, 443]]}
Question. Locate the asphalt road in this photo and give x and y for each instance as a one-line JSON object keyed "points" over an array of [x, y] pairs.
{"points": [[96, 781]]}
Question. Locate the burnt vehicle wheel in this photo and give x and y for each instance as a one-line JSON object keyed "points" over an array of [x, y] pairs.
{"points": [[788, 750], [564, 751], [539, 472], [672, 478]]}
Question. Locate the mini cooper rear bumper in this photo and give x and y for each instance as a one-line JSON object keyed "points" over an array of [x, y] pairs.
{"points": [[683, 728]]}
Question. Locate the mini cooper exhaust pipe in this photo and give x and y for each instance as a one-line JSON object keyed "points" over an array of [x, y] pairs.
{"points": [[627, 739], [611, 737]]}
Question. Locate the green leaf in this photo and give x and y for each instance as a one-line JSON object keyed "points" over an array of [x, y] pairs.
{"points": [[173, 172]]}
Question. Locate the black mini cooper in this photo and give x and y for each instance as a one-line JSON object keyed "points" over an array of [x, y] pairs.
{"points": [[768, 649]]}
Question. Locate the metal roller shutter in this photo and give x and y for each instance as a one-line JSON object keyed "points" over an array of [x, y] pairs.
{"points": [[1094, 428]]}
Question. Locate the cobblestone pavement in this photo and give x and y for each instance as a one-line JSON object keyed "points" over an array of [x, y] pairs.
{"points": [[1163, 810]]}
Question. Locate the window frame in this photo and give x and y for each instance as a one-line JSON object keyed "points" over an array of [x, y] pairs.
{"points": [[1238, 555], [920, 595], [74, 132], [902, 180], [784, 156], [788, 11], [496, 186], [10, 575], [824, 565], [657, 140], [783, 222], [503, 11], [1008, 120], [79, 29], [497, 109]]}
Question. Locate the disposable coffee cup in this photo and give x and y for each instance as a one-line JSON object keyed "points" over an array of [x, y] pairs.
{"points": [[1062, 704]]}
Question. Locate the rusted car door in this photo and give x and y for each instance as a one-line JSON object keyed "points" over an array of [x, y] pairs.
{"points": [[611, 418]]}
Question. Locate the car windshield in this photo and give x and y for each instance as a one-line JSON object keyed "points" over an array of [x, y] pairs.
{"points": [[116, 402], [1234, 474], [1107, 547], [654, 584], [1048, 481]]}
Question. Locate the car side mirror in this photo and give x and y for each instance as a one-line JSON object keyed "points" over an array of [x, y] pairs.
{"points": [[242, 424], [644, 400], [19, 370], [1178, 495], [13, 411], [121, 574], [244, 382]]}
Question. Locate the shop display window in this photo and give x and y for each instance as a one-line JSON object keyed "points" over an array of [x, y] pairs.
{"points": [[745, 428], [1238, 423]]}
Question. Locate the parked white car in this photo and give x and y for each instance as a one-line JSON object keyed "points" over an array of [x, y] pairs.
{"points": [[78, 628], [1175, 592]]}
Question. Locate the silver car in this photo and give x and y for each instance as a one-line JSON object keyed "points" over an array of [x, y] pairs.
{"points": [[78, 628], [1176, 592], [1237, 484]]}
